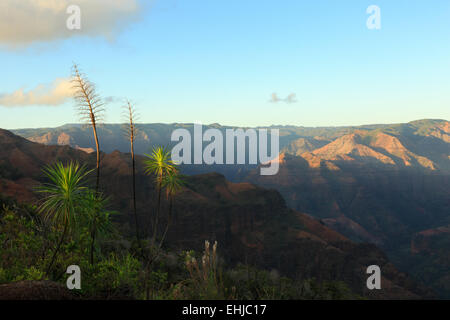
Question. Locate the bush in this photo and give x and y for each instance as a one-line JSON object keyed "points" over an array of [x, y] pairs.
{"points": [[27, 245], [113, 278]]}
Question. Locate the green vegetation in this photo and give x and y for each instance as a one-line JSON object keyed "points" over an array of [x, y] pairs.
{"points": [[63, 200], [28, 243], [159, 164]]}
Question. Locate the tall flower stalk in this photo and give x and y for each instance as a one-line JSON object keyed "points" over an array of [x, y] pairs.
{"points": [[131, 135], [90, 108]]}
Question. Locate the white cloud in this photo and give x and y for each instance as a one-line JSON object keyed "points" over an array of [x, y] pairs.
{"points": [[291, 98], [274, 98], [50, 95], [23, 22]]}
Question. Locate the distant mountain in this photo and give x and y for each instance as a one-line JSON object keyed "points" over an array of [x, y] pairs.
{"points": [[302, 145], [423, 143], [252, 224], [389, 186]]}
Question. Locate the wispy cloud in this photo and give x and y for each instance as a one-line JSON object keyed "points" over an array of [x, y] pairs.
{"points": [[291, 98], [115, 100], [50, 95], [24, 22], [274, 98]]}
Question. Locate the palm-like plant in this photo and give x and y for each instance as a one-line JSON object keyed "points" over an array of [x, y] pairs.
{"points": [[159, 163], [62, 198], [173, 183]]}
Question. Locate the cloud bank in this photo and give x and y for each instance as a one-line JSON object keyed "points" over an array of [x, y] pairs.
{"points": [[49, 95], [23, 22]]}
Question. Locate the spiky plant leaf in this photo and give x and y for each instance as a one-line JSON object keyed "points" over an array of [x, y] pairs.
{"points": [[159, 162], [64, 193]]}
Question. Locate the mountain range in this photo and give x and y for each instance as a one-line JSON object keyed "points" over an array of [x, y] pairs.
{"points": [[387, 185], [252, 224], [422, 143]]}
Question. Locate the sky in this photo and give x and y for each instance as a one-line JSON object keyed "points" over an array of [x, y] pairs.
{"points": [[234, 62]]}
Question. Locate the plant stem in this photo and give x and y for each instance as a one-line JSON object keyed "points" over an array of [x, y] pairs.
{"points": [[57, 249], [134, 190], [155, 227]]}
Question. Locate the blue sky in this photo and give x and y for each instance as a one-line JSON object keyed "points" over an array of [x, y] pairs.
{"points": [[220, 61]]}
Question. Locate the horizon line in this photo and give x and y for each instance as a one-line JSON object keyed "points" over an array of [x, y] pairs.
{"points": [[231, 126]]}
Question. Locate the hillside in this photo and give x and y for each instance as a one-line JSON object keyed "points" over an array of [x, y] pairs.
{"points": [[375, 190], [252, 224]]}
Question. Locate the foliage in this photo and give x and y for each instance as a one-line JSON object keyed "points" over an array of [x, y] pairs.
{"points": [[159, 162], [172, 182], [93, 206], [22, 245], [26, 247], [113, 277], [64, 194]]}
